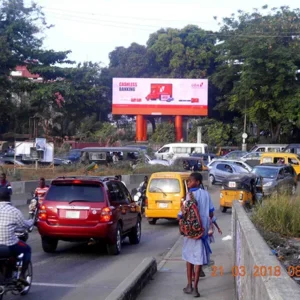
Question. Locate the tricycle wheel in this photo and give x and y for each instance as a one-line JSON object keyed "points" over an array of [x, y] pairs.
{"points": [[152, 221], [223, 209]]}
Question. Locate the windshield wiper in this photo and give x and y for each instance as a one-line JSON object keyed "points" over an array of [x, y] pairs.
{"points": [[78, 201], [157, 188]]}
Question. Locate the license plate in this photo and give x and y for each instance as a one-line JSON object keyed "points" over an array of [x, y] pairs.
{"points": [[163, 205], [72, 214], [231, 184]]}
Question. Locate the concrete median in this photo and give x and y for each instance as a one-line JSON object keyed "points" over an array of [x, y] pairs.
{"points": [[130, 288], [258, 273], [22, 189]]}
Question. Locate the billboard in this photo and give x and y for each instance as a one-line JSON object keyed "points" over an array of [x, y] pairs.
{"points": [[160, 96]]}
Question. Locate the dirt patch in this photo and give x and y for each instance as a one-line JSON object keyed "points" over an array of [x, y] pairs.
{"points": [[287, 251]]}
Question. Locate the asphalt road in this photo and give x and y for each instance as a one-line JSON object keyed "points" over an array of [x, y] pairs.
{"points": [[77, 271]]}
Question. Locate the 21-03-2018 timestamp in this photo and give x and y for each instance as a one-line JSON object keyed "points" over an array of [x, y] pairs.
{"points": [[257, 271]]}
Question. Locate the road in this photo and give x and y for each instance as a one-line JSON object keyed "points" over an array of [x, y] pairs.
{"points": [[77, 271]]}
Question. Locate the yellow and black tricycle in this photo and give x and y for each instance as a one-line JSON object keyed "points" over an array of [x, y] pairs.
{"points": [[245, 188]]}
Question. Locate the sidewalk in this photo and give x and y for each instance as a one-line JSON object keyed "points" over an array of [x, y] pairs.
{"points": [[171, 277]]}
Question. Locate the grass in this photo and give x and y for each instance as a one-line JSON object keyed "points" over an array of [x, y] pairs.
{"points": [[279, 214], [71, 170]]}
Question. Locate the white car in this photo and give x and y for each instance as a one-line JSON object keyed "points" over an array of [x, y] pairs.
{"points": [[162, 162], [232, 161]]}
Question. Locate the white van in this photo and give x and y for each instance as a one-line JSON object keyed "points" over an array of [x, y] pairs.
{"points": [[268, 148], [171, 151]]}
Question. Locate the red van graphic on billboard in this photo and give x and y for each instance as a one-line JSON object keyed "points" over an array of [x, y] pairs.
{"points": [[160, 96], [161, 91]]}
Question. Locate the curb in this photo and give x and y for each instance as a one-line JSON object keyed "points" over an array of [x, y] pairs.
{"points": [[169, 254], [130, 288]]}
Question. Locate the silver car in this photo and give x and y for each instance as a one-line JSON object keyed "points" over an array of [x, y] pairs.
{"points": [[221, 170], [238, 162]]}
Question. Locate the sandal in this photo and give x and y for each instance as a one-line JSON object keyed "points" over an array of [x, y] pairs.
{"points": [[188, 290], [196, 294]]}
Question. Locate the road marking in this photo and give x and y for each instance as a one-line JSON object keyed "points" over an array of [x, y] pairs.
{"points": [[56, 284]]}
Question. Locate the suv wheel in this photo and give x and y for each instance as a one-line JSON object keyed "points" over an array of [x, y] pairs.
{"points": [[136, 232], [115, 248], [49, 245]]}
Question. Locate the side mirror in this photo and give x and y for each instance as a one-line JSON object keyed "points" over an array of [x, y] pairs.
{"points": [[279, 177]]}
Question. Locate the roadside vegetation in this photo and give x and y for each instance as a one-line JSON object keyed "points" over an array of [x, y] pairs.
{"points": [[279, 215], [75, 169]]}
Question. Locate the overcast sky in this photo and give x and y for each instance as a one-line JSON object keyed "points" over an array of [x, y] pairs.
{"points": [[93, 28]]}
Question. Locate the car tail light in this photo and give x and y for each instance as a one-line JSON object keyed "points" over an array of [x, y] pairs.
{"points": [[146, 202], [42, 213], [106, 215], [77, 181]]}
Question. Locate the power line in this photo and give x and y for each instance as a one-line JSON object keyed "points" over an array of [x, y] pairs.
{"points": [[148, 28], [152, 27], [123, 17]]}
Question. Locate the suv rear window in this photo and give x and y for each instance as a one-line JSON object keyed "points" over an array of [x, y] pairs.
{"points": [[71, 192], [164, 185]]}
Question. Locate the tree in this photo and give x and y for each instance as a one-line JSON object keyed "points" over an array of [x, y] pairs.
{"points": [[165, 133], [258, 64], [214, 133], [185, 53], [129, 62], [21, 43]]}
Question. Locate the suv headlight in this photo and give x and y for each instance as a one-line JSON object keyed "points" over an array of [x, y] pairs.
{"points": [[268, 183]]}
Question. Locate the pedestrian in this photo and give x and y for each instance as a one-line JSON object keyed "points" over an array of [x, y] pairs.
{"points": [[4, 183], [196, 252]]}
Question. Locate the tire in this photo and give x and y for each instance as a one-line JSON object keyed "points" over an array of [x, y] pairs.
{"points": [[223, 209], [136, 232], [29, 275], [115, 248], [212, 179], [152, 221], [49, 245]]}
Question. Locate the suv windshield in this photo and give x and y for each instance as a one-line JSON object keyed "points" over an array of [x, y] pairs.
{"points": [[265, 172], [164, 185], [71, 192]]}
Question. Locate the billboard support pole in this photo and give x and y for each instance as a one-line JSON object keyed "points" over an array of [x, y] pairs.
{"points": [[178, 128], [199, 134], [140, 128], [145, 130]]}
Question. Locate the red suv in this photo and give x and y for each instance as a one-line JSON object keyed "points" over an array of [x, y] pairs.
{"points": [[88, 208]]}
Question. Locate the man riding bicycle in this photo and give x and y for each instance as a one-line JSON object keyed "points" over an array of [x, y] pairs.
{"points": [[12, 219]]}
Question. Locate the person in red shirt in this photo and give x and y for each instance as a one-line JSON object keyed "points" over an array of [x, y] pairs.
{"points": [[41, 190]]}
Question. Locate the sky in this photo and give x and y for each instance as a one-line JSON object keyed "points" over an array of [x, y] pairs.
{"points": [[91, 29]]}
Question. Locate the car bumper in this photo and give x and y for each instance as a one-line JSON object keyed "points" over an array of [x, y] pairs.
{"points": [[161, 213], [62, 232]]}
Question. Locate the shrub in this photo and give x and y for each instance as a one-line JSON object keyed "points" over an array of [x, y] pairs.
{"points": [[279, 215]]}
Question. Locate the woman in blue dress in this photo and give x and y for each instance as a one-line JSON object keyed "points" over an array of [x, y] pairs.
{"points": [[196, 253]]}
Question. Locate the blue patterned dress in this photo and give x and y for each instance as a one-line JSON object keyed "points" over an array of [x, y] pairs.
{"points": [[197, 252]]}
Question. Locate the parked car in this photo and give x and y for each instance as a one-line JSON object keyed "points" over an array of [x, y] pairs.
{"points": [[222, 170], [88, 209], [251, 155], [162, 162], [233, 161], [234, 154], [61, 161], [277, 178]]}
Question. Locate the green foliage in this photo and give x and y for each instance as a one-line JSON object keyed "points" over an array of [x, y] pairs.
{"points": [[279, 215], [165, 133], [214, 133], [257, 67]]}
